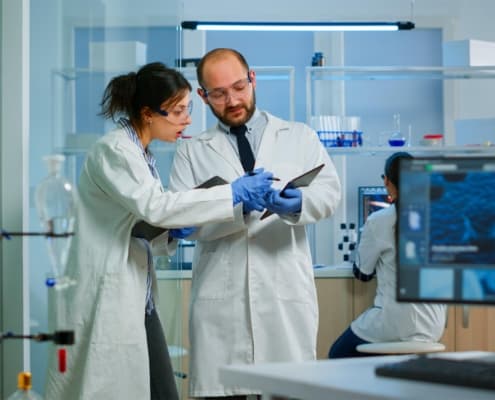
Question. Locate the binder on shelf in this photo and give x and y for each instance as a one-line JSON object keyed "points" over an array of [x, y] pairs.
{"points": [[147, 231], [299, 181]]}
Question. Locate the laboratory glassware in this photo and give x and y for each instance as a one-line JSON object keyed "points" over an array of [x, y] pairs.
{"points": [[24, 388], [55, 203]]}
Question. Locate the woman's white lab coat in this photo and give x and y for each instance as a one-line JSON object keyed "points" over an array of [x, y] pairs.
{"points": [[107, 306], [389, 320], [253, 291]]}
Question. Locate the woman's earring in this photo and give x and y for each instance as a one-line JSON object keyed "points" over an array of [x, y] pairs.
{"points": [[150, 121]]}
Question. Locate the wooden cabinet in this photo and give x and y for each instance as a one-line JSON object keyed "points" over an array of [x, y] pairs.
{"points": [[335, 311], [340, 301], [470, 328]]}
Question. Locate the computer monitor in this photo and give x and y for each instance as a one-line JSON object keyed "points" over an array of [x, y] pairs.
{"points": [[447, 230], [371, 199]]}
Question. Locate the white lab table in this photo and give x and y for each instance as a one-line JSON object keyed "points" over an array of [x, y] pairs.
{"points": [[341, 379]]}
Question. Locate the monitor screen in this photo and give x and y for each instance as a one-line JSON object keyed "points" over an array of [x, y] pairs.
{"points": [[371, 199], [447, 230]]}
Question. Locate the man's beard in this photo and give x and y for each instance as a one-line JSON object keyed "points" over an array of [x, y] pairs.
{"points": [[250, 108]]}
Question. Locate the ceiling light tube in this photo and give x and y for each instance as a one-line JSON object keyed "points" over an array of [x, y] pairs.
{"points": [[297, 26]]}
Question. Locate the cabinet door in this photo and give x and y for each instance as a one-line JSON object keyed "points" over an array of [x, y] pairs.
{"points": [[449, 334], [474, 328], [335, 309]]}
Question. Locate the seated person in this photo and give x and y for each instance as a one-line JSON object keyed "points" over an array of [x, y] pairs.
{"points": [[387, 320]]}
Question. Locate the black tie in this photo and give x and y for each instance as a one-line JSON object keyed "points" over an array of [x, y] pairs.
{"points": [[245, 151]]}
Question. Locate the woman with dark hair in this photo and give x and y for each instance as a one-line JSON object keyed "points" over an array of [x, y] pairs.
{"points": [[387, 320], [120, 350]]}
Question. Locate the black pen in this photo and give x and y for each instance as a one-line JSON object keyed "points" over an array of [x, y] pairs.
{"points": [[251, 173]]}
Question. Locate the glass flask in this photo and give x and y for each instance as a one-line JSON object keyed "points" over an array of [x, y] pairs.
{"points": [[396, 139], [24, 388], [55, 203]]}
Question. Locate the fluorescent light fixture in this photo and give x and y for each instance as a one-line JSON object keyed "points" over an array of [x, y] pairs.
{"points": [[297, 26]]}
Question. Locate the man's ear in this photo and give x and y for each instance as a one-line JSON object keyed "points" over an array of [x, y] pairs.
{"points": [[201, 93], [252, 78]]}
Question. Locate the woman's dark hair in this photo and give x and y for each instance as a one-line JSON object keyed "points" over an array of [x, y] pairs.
{"points": [[391, 168], [153, 84]]}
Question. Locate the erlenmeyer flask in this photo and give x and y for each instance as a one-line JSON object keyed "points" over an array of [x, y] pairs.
{"points": [[397, 138], [55, 203]]}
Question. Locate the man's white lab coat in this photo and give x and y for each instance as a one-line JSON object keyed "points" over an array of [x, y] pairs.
{"points": [[253, 291]]}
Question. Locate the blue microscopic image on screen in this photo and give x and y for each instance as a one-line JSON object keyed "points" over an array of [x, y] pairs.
{"points": [[462, 218]]}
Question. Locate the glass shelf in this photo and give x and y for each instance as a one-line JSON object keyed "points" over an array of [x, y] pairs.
{"points": [[156, 148], [394, 73], [65, 81], [427, 150]]}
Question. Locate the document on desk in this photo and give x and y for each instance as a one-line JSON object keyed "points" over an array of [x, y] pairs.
{"points": [[146, 231], [299, 181]]}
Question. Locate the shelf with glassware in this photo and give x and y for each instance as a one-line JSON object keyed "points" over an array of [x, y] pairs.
{"points": [[412, 106]]}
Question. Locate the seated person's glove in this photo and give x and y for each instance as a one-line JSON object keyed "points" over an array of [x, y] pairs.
{"points": [[182, 233], [251, 188], [287, 202]]}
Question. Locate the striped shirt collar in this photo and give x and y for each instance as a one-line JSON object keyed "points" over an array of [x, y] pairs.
{"points": [[148, 156]]}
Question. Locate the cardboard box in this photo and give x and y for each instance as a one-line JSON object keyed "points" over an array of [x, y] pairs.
{"points": [[468, 53], [116, 56]]}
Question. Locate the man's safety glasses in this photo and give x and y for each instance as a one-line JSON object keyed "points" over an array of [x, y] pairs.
{"points": [[220, 96]]}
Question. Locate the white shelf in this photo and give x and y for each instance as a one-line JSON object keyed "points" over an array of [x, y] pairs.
{"points": [[393, 73], [427, 150], [156, 148]]}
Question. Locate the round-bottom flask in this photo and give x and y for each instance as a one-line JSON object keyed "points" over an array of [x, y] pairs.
{"points": [[55, 203]]}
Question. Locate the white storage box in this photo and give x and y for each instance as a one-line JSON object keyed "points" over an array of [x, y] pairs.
{"points": [[116, 56], [468, 53]]}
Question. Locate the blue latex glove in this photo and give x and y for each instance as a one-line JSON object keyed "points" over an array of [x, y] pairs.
{"points": [[287, 202], [251, 188], [182, 233]]}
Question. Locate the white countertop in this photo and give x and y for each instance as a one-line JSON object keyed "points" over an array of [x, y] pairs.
{"points": [[327, 271], [343, 379]]}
